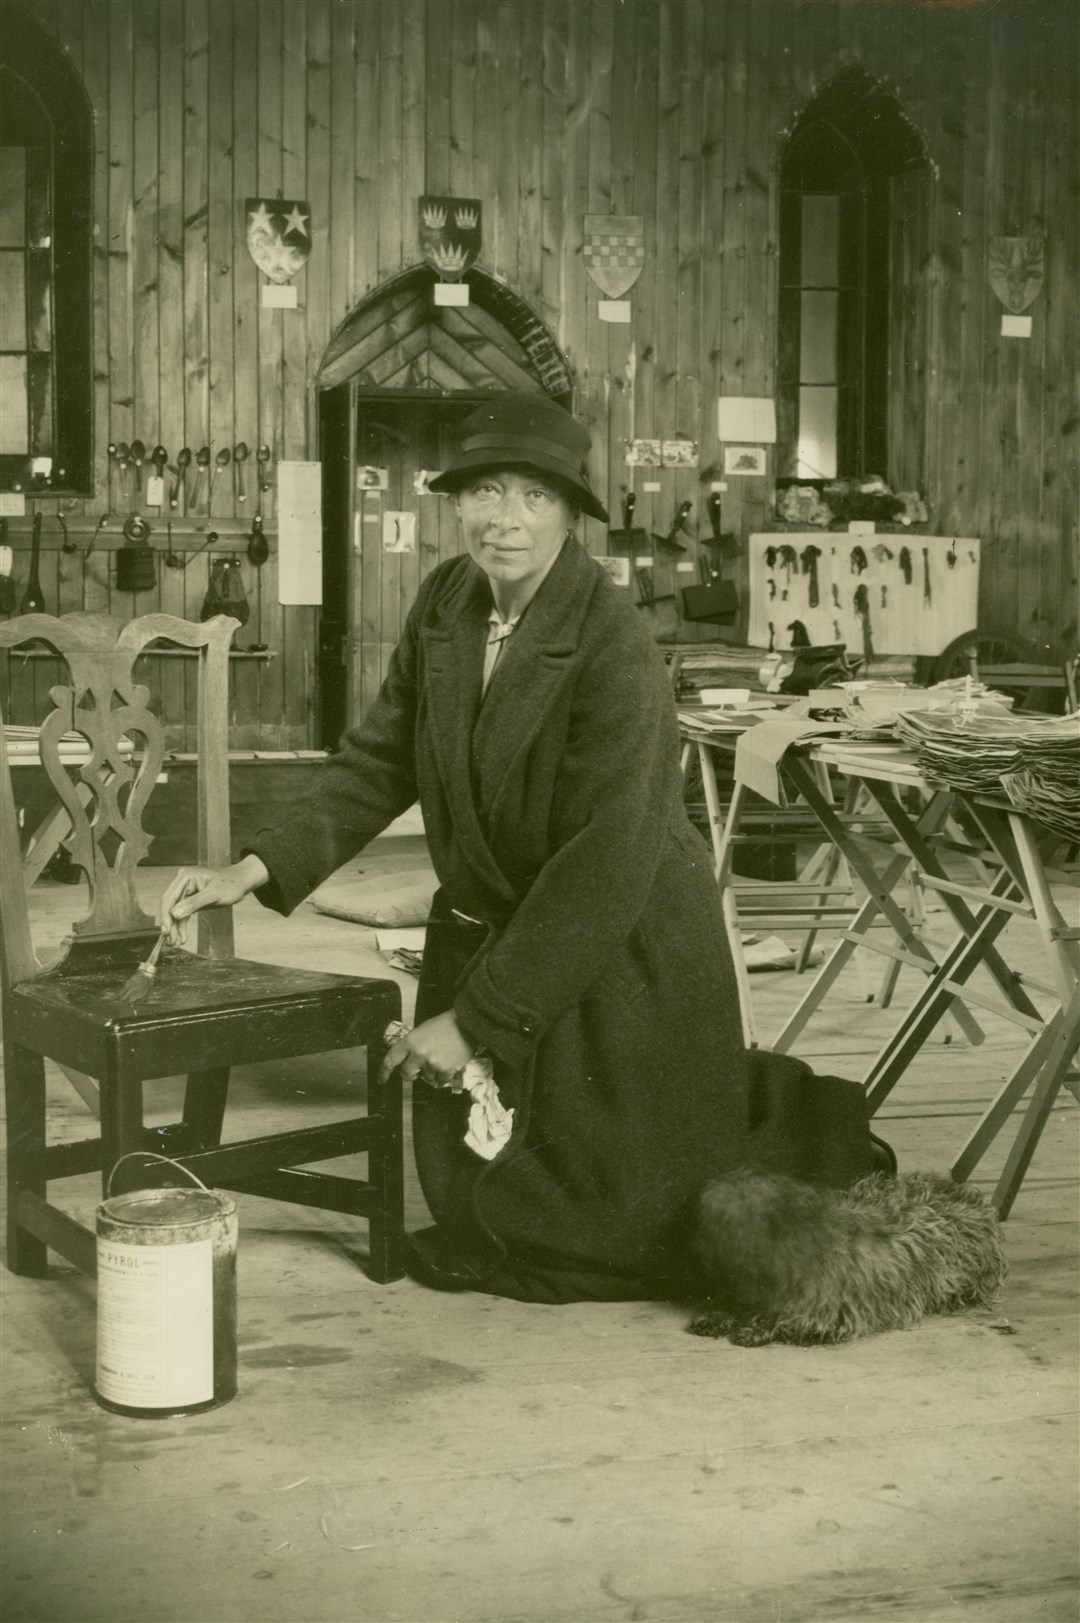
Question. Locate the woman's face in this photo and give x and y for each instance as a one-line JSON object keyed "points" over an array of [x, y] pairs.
{"points": [[514, 525]]}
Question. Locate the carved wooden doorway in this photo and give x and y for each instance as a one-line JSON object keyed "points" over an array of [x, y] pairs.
{"points": [[396, 382]]}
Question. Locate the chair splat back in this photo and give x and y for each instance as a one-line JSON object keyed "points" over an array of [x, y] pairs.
{"points": [[102, 796]]}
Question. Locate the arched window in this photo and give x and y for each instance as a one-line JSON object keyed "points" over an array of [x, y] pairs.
{"points": [[835, 179], [46, 195]]}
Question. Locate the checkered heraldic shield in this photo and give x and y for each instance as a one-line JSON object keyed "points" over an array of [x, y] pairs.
{"points": [[614, 251]]}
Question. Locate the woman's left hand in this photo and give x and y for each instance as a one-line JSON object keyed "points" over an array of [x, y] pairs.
{"points": [[437, 1050]]}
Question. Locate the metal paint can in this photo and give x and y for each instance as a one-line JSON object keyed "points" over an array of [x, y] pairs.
{"points": [[166, 1312]]}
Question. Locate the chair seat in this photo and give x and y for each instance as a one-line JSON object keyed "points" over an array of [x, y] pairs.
{"points": [[194, 1014]]}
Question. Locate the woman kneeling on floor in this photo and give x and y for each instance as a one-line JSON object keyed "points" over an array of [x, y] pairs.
{"points": [[576, 941]]}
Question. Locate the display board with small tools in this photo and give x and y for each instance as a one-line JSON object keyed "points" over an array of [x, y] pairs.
{"points": [[876, 593]]}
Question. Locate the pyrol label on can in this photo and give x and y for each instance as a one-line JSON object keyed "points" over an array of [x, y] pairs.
{"points": [[155, 1323]]}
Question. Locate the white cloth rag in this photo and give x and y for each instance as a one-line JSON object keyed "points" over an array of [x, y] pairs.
{"points": [[490, 1123]]}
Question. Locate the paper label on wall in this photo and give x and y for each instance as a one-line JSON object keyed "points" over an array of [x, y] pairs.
{"points": [[616, 311], [12, 504], [299, 505], [155, 1323], [155, 492], [617, 568], [399, 532], [451, 293], [279, 296], [372, 478], [747, 417], [1015, 326], [652, 485]]}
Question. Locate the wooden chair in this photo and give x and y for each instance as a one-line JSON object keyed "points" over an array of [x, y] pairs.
{"points": [[203, 1012]]}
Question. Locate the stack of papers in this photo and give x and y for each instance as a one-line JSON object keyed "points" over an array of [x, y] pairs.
{"points": [[1035, 759], [1047, 786]]}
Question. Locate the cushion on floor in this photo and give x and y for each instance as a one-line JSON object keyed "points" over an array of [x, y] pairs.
{"points": [[392, 900]]}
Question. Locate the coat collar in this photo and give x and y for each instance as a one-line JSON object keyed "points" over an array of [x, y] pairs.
{"points": [[533, 668]]}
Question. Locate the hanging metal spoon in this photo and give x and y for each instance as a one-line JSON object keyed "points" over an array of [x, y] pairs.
{"points": [[222, 460], [202, 462], [264, 457], [183, 463], [240, 456], [158, 458], [138, 457], [122, 454]]}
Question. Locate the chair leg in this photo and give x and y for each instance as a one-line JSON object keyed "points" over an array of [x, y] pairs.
{"points": [[386, 1218], [121, 1133], [24, 1073], [204, 1106]]}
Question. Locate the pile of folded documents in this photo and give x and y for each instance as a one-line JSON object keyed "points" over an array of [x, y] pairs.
{"points": [[1036, 760]]}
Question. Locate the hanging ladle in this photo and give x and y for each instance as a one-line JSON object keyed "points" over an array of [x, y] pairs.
{"points": [[173, 559], [240, 456], [183, 463], [222, 460], [67, 545], [263, 458], [202, 462]]}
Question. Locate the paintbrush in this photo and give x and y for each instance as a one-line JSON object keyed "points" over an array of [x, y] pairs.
{"points": [[139, 984]]}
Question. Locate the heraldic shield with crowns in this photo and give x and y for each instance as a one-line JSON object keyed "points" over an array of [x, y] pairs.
{"points": [[450, 235], [278, 235]]}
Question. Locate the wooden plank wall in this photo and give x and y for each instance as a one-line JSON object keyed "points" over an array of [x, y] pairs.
{"points": [[547, 110]]}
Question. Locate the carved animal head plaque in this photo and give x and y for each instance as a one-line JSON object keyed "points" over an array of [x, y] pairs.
{"points": [[1016, 270]]}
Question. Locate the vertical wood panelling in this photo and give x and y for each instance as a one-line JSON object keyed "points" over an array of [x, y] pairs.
{"points": [[547, 110]]}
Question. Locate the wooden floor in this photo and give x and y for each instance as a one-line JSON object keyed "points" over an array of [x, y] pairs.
{"points": [[395, 1454]]}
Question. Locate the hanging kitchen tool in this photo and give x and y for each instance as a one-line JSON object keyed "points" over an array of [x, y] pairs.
{"points": [[221, 461], [264, 456], [121, 455], [927, 595], [240, 456], [92, 543], [138, 457], [136, 563], [67, 545], [678, 523], [862, 609], [726, 540], [788, 560], [905, 564], [628, 536], [258, 548], [225, 594], [202, 462], [647, 593], [183, 463], [8, 598], [715, 601], [808, 557], [173, 559], [33, 599]]}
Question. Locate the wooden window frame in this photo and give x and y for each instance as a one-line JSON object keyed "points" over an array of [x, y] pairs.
{"points": [[61, 392]]}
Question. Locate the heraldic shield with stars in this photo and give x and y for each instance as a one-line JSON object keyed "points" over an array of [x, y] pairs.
{"points": [[278, 235]]}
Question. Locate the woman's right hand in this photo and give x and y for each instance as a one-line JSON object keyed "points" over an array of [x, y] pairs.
{"points": [[192, 889]]}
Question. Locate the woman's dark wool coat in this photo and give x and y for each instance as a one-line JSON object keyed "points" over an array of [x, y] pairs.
{"points": [[603, 984]]}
